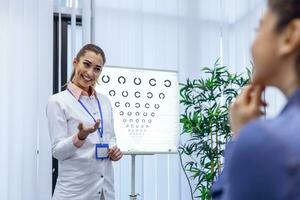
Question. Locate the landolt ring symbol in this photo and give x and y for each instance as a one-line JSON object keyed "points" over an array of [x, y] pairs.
{"points": [[161, 95], [137, 94], [125, 94], [149, 95], [112, 93], [117, 104], [152, 82], [105, 80], [169, 83], [127, 104], [121, 80], [137, 105], [137, 82]]}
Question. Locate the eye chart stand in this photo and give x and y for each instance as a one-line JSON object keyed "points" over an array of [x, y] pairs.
{"points": [[147, 97], [133, 195]]}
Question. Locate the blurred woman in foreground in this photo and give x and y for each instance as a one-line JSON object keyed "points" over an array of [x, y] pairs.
{"points": [[263, 161]]}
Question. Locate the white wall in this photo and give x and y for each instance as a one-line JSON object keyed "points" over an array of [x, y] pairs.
{"points": [[25, 84]]}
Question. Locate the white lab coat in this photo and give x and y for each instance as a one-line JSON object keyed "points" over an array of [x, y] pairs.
{"points": [[80, 175]]}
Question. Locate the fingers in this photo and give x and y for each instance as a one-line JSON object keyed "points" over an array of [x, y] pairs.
{"points": [[245, 95], [115, 153], [257, 100], [251, 94], [246, 107], [89, 130], [116, 158], [96, 126], [80, 126], [257, 92], [243, 98], [263, 103], [112, 150]]}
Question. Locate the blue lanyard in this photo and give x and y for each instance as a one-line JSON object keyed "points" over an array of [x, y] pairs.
{"points": [[100, 129]]}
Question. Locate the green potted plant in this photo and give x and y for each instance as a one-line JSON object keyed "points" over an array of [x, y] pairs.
{"points": [[205, 122]]}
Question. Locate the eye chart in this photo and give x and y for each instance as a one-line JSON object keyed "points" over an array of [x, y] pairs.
{"points": [[145, 107]]}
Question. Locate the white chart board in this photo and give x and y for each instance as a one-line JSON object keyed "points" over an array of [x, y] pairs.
{"points": [[145, 106]]}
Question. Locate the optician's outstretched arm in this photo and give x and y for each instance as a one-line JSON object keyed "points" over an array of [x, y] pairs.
{"points": [[63, 145]]}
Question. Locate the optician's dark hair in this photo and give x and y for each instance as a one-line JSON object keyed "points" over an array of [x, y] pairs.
{"points": [[286, 11], [89, 47]]}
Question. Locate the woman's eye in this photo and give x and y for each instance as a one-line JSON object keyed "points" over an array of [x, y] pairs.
{"points": [[86, 64], [98, 69]]}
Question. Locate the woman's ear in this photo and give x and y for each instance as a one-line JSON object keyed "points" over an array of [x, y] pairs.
{"points": [[290, 38], [75, 62]]}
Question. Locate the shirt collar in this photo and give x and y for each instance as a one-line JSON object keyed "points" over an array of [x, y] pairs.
{"points": [[293, 99], [78, 92]]}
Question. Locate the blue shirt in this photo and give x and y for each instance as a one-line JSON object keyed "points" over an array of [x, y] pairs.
{"points": [[264, 162]]}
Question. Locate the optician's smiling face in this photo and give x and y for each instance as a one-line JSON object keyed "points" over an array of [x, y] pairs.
{"points": [[87, 70]]}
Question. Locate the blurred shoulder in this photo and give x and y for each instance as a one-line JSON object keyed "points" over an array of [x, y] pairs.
{"points": [[59, 96], [257, 136]]}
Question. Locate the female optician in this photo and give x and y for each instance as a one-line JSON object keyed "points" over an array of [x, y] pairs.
{"points": [[82, 133], [263, 161]]}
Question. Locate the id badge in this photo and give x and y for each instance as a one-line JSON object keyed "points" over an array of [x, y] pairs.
{"points": [[102, 151]]}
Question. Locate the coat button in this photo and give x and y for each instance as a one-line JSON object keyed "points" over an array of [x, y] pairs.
{"points": [[102, 176]]}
